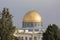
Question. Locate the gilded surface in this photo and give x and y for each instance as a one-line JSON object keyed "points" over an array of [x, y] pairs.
{"points": [[32, 16]]}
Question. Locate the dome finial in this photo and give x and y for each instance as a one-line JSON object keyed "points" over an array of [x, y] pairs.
{"points": [[33, 9]]}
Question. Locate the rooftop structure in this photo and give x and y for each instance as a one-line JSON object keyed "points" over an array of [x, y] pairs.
{"points": [[31, 27]]}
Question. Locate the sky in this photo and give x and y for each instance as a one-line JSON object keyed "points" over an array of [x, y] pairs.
{"points": [[48, 9]]}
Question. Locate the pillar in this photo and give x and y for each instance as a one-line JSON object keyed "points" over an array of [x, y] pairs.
{"points": [[33, 34]]}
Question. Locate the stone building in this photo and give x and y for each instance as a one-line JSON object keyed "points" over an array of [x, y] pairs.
{"points": [[32, 28]]}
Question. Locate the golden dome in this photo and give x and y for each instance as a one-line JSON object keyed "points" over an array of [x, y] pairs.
{"points": [[32, 16]]}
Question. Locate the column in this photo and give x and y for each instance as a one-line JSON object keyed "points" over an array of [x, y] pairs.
{"points": [[33, 34], [27, 38], [24, 38], [37, 38]]}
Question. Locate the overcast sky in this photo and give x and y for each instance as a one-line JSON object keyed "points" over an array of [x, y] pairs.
{"points": [[49, 10]]}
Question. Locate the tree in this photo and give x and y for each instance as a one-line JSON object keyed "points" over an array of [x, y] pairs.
{"points": [[6, 26], [58, 35], [52, 33]]}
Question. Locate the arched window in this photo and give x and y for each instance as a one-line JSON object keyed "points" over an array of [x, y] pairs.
{"points": [[35, 38], [25, 38], [30, 38], [22, 38]]}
